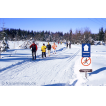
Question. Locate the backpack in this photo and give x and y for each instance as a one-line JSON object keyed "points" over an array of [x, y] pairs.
{"points": [[49, 47], [34, 48]]}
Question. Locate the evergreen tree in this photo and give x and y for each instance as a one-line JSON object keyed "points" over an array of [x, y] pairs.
{"points": [[101, 34], [7, 31], [28, 32], [32, 33], [42, 33], [19, 33]]}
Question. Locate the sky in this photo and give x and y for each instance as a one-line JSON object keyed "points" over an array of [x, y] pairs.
{"points": [[54, 24]]}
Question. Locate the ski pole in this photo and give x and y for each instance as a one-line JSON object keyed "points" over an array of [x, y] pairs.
{"points": [[37, 55]]}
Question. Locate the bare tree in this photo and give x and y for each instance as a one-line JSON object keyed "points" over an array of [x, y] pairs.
{"points": [[81, 36]]}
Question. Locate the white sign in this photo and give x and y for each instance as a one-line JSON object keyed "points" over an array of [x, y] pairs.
{"points": [[86, 48]]}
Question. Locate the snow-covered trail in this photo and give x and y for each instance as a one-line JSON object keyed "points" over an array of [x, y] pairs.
{"points": [[54, 70], [61, 69]]}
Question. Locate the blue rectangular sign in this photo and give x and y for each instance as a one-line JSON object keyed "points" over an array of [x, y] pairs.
{"points": [[86, 49]]}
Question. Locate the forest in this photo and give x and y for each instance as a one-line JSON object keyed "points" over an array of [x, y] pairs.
{"points": [[79, 36]]}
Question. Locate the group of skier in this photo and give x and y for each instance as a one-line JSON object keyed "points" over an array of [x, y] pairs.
{"points": [[43, 49], [68, 44], [60, 42]]}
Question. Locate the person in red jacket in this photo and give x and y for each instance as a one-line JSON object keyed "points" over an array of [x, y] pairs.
{"points": [[34, 49]]}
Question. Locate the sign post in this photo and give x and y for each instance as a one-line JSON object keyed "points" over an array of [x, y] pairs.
{"points": [[86, 60], [85, 70]]}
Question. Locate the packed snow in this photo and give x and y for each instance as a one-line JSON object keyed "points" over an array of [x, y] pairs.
{"points": [[61, 69]]}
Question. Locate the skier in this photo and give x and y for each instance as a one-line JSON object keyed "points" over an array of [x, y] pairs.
{"points": [[49, 48], [67, 44], [54, 48], [34, 49], [70, 45], [43, 49]]}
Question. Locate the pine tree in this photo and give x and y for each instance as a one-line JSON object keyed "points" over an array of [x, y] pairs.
{"points": [[101, 34], [19, 33]]}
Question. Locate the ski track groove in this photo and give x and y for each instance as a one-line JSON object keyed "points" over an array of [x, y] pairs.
{"points": [[19, 68], [54, 67], [62, 67], [28, 63], [16, 69]]}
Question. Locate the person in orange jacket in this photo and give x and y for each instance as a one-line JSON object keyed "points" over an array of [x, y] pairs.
{"points": [[54, 48]]}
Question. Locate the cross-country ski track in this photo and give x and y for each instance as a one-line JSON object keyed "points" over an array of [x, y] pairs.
{"points": [[58, 69]]}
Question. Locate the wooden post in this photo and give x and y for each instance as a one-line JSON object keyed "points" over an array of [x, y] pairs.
{"points": [[85, 70], [86, 74]]}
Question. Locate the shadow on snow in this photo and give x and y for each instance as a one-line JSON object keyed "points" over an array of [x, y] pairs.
{"points": [[24, 59], [18, 56], [39, 58], [11, 50], [29, 58], [57, 84], [62, 84], [19, 63], [97, 71], [8, 55]]}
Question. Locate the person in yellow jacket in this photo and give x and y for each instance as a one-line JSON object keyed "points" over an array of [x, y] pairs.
{"points": [[43, 49], [54, 48]]}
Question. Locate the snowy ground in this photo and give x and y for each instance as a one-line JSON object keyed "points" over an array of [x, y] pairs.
{"points": [[61, 69]]}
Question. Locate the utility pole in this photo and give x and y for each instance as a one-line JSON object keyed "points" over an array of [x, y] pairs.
{"points": [[3, 26], [2, 32]]}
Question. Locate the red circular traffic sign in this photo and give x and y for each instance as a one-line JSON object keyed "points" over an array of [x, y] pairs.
{"points": [[86, 61]]}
